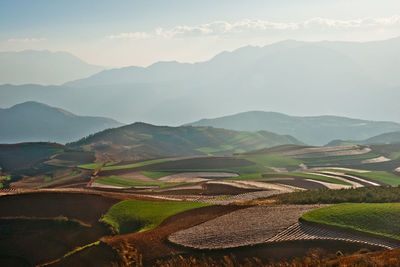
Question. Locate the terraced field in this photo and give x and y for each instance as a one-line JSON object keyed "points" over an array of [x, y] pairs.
{"points": [[261, 223]]}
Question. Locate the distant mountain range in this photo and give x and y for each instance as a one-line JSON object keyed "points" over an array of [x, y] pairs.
{"points": [[357, 79], [385, 138], [146, 141], [32, 121], [42, 67], [311, 130]]}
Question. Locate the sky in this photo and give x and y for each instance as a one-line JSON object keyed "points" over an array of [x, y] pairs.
{"points": [[123, 33]]}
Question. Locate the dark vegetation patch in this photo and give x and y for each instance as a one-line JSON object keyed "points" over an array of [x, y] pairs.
{"points": [[221, 189], [386, 149], [276, 149], [93, 256], [21, 156], [372, 194], [346, 160], [388, 166], [195, 164], [36, 241], [288, 254], [76, 157], [87, 208]]}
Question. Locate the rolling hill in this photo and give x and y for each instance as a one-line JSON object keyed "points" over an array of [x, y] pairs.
{"points": [[311, 130], [385, 138], [312, 78], [146, 141], [32, 122], [42, 67]]}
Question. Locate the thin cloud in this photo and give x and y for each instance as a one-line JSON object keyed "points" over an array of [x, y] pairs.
{"points": [[223, 28], [26, 40], [130, 36]]}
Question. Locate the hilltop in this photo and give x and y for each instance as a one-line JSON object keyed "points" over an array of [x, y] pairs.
{"points": [[33, 121], [146, 141]]}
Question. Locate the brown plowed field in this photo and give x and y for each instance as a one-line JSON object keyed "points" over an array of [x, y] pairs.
{"points": [[87, 208], [305, 231], [244, 227], [153, 244]]}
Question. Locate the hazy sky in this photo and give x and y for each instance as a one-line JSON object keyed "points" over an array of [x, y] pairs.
{"points": [[123, 32]]}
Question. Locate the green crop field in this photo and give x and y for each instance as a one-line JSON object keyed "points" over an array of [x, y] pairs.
{"points": [[90, 166], [376, 218], [134, 165], [271, 160], [210, 150], [133, 215], [49, 180], [125, 182], [337, 160], [4, 179], [371, 194], [380, 176]]}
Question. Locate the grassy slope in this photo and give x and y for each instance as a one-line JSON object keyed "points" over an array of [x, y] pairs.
{"points": [[271, 160], [49, 181], [381, 176], [339, 159], [372, 194], [134, 165], [378, 218], [90, 166], [125, 182], [133, 215]]}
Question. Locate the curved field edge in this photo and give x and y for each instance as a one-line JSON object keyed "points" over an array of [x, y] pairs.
{"points": [[382, 219], [372, 194], [137, 216], [127, 183]]}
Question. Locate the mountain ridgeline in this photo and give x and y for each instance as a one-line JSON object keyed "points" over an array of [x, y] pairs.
{"points": [[314, 77], [146, 141], [42, 67], [33, 122], [385, 138], [311, 130]]}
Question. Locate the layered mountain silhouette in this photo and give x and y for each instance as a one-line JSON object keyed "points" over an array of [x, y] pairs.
{"points": [[317, 130], [348, 79], [146, 141], [42, 67], [33, 121], [385, 138]]}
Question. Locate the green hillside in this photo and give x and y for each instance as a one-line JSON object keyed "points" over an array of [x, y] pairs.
{"points": [[145, 141]]}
